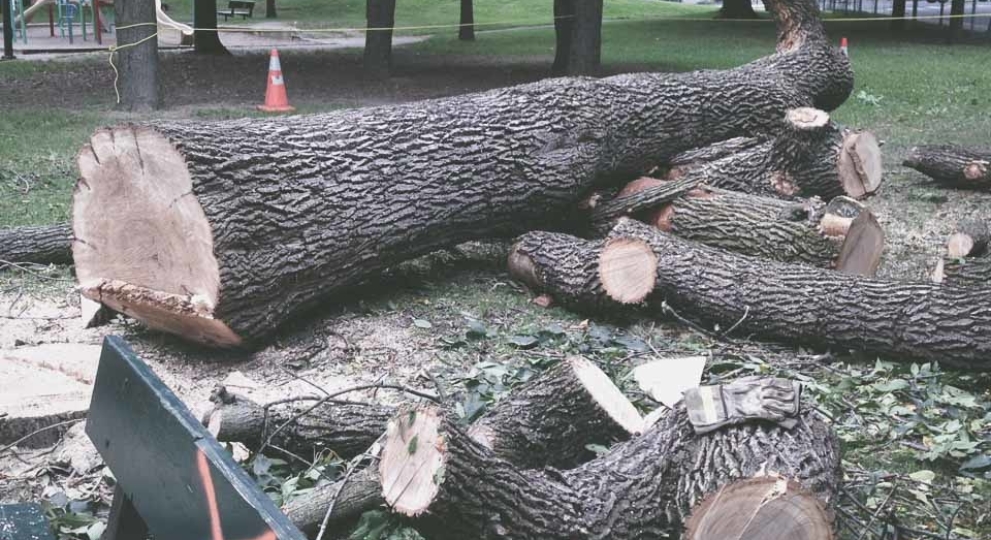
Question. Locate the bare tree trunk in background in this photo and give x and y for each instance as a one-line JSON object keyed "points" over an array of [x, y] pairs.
{"points": [[466, 32], [140, 88], [564, 12], [206, 39], [586, 38], [898, 14], [737, 9], [957, 8], [380, 14], [270, 12]]}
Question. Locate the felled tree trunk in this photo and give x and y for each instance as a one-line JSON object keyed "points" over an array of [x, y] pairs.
{"points": [[963, 272], [44, 244], [808, 231], [679, 163], [546, 422], [226, 229], [953, 166], [810, 157], [794, 303], [643, 489]]}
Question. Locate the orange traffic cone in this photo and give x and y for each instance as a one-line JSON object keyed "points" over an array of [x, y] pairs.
{"points": [[276, 99]]}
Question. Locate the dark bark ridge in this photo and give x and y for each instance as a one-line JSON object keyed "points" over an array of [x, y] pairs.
{"points": [[44, 244], [300, 208], [953, 166], [642, 489]]}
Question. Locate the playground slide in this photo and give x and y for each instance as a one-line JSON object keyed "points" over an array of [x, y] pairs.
{"points": [[32, 10], [160, 16]]}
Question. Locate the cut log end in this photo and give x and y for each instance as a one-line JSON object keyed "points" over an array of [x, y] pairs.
{"points": [[838, 216], [862, 247], [522, 269], [412, 461], [628, 270], [807, 118], [959, 245], [939, 273], [143, 245], [608, 396], [767, 507], [859, 164]]}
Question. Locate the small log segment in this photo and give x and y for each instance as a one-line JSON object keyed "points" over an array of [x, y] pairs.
{"points": [[807, 231], [224, 230], [811, 156], [971, 272], [44, 244], [546, 422], [953, 166], [645, 488], [793, 303], [970, 239]]}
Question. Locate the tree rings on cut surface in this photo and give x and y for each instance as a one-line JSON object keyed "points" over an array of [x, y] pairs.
{"points": [[628, 270]]}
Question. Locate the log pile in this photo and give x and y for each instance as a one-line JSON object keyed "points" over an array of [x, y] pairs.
{"points": [[226, 229]]}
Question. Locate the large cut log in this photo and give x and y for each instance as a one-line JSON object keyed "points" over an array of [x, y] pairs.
{"points": [[548, 421], [800, 304], [811, 156], [642, 489], [223, 230], [953, 166], [44, 244], [963, 272], [807, 231]]}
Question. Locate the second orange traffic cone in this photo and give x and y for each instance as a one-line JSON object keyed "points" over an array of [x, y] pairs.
{"points": [[276, 99]]}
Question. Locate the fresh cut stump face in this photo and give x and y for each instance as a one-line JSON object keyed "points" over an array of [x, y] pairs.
{"points": [[143, 245]]}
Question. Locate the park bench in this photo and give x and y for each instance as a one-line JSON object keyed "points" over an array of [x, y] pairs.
{"points": [[242, 8], [174, 480]]}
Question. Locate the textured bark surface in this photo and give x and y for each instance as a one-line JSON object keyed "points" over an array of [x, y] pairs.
{"points": [[140, 86], [641, 489], [586, 38], [953, 166], [300, 208], [964, 272], [44, 244], [348, 429], [556, 263], [550, 422], [757, 226], [803, 162], [809, 306], [359, 494], [677, 164]]}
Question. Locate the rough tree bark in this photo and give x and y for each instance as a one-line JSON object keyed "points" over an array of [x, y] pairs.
{"points": [[737, 9], [206, 39], [381, 18], [903, 321], [963, 272], [811, 156], [231, 227], [643, 489], [466, 32], [953, 166], [140, 87], [586, 38], [44, 244], [808, 231], [546, 422]]}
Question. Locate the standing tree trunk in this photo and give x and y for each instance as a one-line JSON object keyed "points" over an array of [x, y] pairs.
{"points": [[586, 38], [737, 9], [381, 18], [140, 87], [643, 489], [466, 32], [957, 11], [898, 15], [564, 21], [206, 39], [229, 228], [45, 244], [270, 12]]}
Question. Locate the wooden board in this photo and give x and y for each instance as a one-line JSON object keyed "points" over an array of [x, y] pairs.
{"points": [[176, 476]]}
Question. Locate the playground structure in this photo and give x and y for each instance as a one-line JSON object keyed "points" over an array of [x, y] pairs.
{"points": [[65, 13]]}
